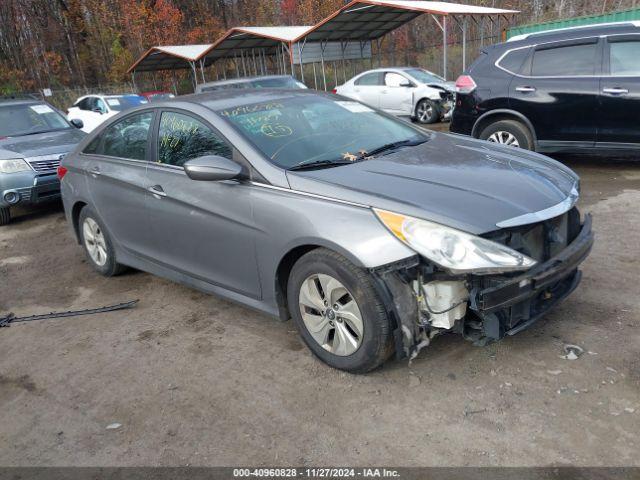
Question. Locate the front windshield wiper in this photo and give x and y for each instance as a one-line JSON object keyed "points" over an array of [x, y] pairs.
{"points": [[40, 131], [394, 145], [319, 164]]}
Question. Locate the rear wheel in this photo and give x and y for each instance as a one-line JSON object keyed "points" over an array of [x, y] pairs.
{"points": [[338, 312], [97, 244], [427, 111], [508, 132], [5, 215]]}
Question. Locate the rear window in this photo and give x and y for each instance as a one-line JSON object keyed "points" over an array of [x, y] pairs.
{"points": [[369, 79], [275, 83], [624, 59], [571, 60], [118, 103]]}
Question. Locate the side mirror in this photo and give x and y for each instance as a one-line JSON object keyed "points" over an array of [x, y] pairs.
{"points": [[97, 110], [212, 168], [76, 122], [406, 84]]}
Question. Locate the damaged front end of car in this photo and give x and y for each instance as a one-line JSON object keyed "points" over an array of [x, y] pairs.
{"points": [[494, 285]]}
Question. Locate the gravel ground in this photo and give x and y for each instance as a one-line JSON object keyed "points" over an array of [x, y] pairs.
{"points": [[194, 380]]}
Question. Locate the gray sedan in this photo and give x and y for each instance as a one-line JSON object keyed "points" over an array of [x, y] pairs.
{"points": [[373, 235]]}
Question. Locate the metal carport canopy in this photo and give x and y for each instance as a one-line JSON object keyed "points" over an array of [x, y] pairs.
{"points": [[171, 57], [362, 20]]}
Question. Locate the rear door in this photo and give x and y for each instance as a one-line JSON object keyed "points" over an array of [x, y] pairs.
{"points": [[557, 90], [368, 88], [620, 93], [202, 229], [116, 166], [396, 96]]}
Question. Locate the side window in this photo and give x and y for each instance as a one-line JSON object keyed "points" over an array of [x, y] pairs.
{"points": [[127, 138], [83, 104], [392, 79], [565, 61], [182, 138], [370, 79], [624, 58], [101, 105], [513, 60]]}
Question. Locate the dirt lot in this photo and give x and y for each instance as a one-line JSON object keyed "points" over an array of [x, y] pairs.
{"points": [[199, 381]]}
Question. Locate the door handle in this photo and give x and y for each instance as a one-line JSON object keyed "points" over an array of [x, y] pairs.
{"points": [[95, 171], [525, 89], [157, 191], [615, 90]]}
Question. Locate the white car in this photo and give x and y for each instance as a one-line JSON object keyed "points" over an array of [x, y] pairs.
{"points": [[95, 109], [413, 92]]}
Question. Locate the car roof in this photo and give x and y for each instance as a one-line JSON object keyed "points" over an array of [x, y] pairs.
{"points": [[19, 101], [244, 79], [570, 33], [223, 99]]}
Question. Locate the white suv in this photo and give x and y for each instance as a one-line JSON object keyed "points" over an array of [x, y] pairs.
{"points": [[412, 92], [95, 109]]}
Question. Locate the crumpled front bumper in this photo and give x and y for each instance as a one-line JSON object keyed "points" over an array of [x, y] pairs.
{"points": [[510, 305]]}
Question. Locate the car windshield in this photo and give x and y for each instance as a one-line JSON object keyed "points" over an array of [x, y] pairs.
{"points": [[285, 82], [425, 77], [29, 119], [315, 129], [118, 103]]}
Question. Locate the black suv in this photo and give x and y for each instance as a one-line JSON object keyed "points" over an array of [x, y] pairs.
{"points": [[575, 89]]}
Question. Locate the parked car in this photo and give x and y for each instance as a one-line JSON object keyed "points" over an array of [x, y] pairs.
{"points": [[34, 136], [411, 92], [373, 234], [157, 95], [569, 90], [266, 81], [95, 109]]}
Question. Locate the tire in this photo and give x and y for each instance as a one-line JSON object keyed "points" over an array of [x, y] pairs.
{"points": [[5, 216], [374, 333], [431, 109], [93, 232], [508, 132]]}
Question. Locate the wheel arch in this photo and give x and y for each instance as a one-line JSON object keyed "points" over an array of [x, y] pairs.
{"points": [[502, 114], [75, 217]]}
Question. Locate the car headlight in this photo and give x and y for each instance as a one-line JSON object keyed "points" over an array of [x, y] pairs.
{"points": [[453, 249], [14, 165]]}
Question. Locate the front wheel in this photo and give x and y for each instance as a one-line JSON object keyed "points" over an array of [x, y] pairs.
{"points": [[508, 132], [338, 312], [427, 111], [5, 216]]}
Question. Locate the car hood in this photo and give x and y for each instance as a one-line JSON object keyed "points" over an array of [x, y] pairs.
{"points": [[61, 141], [457, 181]]}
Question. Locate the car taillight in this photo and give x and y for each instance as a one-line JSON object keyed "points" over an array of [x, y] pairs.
{"points": [[465, 84], [62, 171], [335, 90]]}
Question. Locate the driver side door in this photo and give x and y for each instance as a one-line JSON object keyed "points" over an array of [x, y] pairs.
{"points": [[202, 229], [397, 95]]}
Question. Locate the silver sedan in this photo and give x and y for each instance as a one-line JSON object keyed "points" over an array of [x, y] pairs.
{"points": [[372, 234]]}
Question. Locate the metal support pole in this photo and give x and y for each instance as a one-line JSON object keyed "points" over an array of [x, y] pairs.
{"points": [[444, 47], [133, 80], [344, 72], [300, 61], [315, 78], [379, 45], [464, 43], [202, 70], [195, 75], [324, 76], [482, 32]]}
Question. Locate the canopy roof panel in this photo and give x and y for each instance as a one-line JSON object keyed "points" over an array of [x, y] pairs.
{"points": [[372, 19], [169, 57], [247, 38]]}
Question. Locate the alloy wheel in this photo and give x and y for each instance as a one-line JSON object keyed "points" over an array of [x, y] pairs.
{"points": [[504, 138], [94, 241], [331, 314], [425, 112]]}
